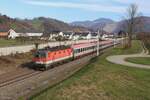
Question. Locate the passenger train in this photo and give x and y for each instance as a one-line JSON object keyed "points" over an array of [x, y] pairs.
{"points": [[47, 57]]}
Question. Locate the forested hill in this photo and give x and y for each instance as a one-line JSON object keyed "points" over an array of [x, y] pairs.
{"points": [[40, 24]]}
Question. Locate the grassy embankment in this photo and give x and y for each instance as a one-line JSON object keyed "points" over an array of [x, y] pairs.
{"points": [[147, 44], [103, 80], [139, 60]]}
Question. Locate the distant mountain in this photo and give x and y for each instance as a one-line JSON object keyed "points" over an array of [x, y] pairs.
{"points": [[95, 24], [111, 26], [46, 25], [144, 25], [40, 24]]}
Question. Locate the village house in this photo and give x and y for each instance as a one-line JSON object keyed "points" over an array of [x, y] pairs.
{"points": [[86, 36], [94, 35], [107, 36], [12, 34], [66, 35], [53, 35], [33, 35], [76, 36]]}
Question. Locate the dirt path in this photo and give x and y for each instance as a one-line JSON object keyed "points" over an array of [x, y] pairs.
{"points": [[120, 59]]}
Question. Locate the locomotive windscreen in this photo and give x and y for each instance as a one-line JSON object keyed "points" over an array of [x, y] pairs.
{"points": [[40, 54]]}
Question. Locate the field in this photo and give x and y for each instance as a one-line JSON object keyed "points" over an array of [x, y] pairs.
{"points": [[103, 80], [144, 61], [5, 42]]}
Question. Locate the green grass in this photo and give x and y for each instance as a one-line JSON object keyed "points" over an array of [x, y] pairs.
{"points": [[14, 42], [4, 42], [139, 60], [103, 80], [136, 48]]}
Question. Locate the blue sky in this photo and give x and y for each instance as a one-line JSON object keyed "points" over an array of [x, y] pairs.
{"points": [[71, 10]]}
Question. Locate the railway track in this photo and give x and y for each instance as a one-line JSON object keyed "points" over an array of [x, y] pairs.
{"points": [[4, 81]]}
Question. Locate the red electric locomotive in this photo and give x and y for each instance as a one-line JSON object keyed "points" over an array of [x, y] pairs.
{"points": [[44, 58]]}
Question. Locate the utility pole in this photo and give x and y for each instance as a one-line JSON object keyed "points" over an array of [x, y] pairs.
{"points": [[98, 38], [114, 39]]}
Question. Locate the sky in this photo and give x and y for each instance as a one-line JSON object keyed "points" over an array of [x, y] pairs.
{"points": [[71, 10]]}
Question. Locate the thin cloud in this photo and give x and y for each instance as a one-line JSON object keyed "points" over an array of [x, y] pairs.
{"points": [[83, 6], [143, 5]]}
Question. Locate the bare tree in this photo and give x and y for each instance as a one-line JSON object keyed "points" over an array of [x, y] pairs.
{"points": [[132, 21]]}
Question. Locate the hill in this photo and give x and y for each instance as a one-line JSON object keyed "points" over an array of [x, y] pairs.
{"points": [[40, 24], [112, 26], [95, 24]]}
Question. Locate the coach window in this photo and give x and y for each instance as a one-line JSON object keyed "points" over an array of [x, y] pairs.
{"points": [[76, 51], [79, 50]]}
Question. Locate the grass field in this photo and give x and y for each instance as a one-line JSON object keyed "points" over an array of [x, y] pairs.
{"points": [[101, 80], [14, 42], [140, 60], [4, 42]]}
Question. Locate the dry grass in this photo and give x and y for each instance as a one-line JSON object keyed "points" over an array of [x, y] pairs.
{"points": [[11, 62]]}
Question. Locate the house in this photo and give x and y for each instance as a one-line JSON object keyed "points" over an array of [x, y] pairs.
{"points": [[66, 35], [76, 36], [3, 34], [94, 35], [107, 36], [12, 34], [34, 34], [53, 35], [86, 36]]}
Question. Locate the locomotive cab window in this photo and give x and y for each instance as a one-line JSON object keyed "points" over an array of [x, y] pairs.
{"points": [[40, 54]]}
